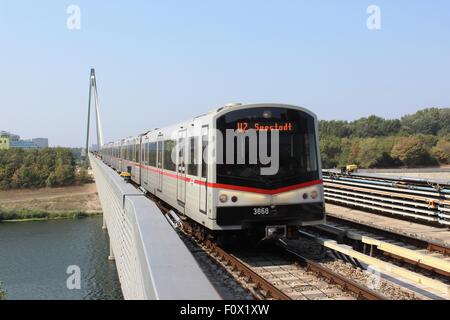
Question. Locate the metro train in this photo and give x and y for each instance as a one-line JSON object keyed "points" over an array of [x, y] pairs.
{"points": [[184, 166]]}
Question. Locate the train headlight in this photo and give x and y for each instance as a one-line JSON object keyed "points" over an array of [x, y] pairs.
{"points": [[314, 194], [223, 198]]}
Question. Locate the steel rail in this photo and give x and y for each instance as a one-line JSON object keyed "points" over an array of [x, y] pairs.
{"points": [[261, 284], [270, 291], [217, 253], [334, 277]]}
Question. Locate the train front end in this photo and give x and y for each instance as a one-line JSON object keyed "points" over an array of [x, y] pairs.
{"points": [[268, 172]]}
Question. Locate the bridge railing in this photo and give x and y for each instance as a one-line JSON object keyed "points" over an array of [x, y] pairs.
{"points": [[152, 261]]}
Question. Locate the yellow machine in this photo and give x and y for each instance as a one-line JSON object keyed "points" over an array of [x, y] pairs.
{"points": [[126, 176], [350, 168]]}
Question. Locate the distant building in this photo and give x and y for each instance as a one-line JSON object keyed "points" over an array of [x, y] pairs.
{"points": [[4, 143], [11, 136], [14, 141], [40, 142], [23, 144]]}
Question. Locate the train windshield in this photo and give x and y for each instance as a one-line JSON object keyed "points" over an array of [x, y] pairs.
{"points": [[290, 160]]}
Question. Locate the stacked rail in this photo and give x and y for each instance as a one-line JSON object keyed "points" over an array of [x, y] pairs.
{"points": [[421, 199]]}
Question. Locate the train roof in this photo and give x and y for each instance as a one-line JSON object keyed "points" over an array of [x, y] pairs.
{"points": [[213, 114]]}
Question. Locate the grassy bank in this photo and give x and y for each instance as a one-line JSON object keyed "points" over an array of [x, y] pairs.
{"points": [[39, 215], [2, 292]]}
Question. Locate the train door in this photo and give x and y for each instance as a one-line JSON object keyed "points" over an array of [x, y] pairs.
{"points": [[137, 150], [159, 162], [181, 167], [204, 170], [144, 159]]}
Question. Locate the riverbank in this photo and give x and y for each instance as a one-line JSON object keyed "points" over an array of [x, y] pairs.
{"points": [[30, 215], [50, 204]]}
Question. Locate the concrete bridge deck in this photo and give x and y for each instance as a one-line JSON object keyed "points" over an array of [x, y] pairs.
{"points": [[152, 261]]}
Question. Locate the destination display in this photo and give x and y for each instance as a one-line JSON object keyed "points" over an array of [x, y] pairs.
{"points": [[245, 126]]}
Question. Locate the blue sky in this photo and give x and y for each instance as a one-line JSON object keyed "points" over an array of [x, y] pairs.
{"points": [[160, 62]]}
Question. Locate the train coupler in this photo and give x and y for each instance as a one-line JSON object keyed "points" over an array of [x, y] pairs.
{"points": [[277, 231]]}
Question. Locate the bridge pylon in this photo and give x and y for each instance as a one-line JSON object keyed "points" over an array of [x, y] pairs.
{"points": [[93, 99]]}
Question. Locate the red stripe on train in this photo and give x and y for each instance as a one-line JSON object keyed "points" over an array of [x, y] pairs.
{"points": [[230, 186]]}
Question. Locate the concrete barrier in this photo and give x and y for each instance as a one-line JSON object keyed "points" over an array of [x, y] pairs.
{"points": [[152, 261]]}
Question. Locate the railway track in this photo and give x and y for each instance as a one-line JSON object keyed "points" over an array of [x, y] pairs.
{"points": [[408, 240], [289, 279], [293, 277], [334, 277], [269, 275], [422, 255], [424, 264]]}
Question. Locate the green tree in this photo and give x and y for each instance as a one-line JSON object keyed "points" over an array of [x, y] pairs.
{"points": [[36, 168], [334, 128], [412, 151], [431, 121], [442, 151], [375, 153], [330, 149], [83, 175], [2, 292], [374, 126]]}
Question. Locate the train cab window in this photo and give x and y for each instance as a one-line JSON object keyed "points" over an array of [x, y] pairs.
{"points": [[204, 153], [169, 147], [296, 149], [193, 155]]}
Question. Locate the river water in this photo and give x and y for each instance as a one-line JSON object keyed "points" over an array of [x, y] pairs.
{"points": [[35, 257]]}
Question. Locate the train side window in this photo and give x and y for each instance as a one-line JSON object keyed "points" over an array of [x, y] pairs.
{"points": [[204, 151], [143, 153], [137, 149], [169, 146], [193, 161], [152, 154]]}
